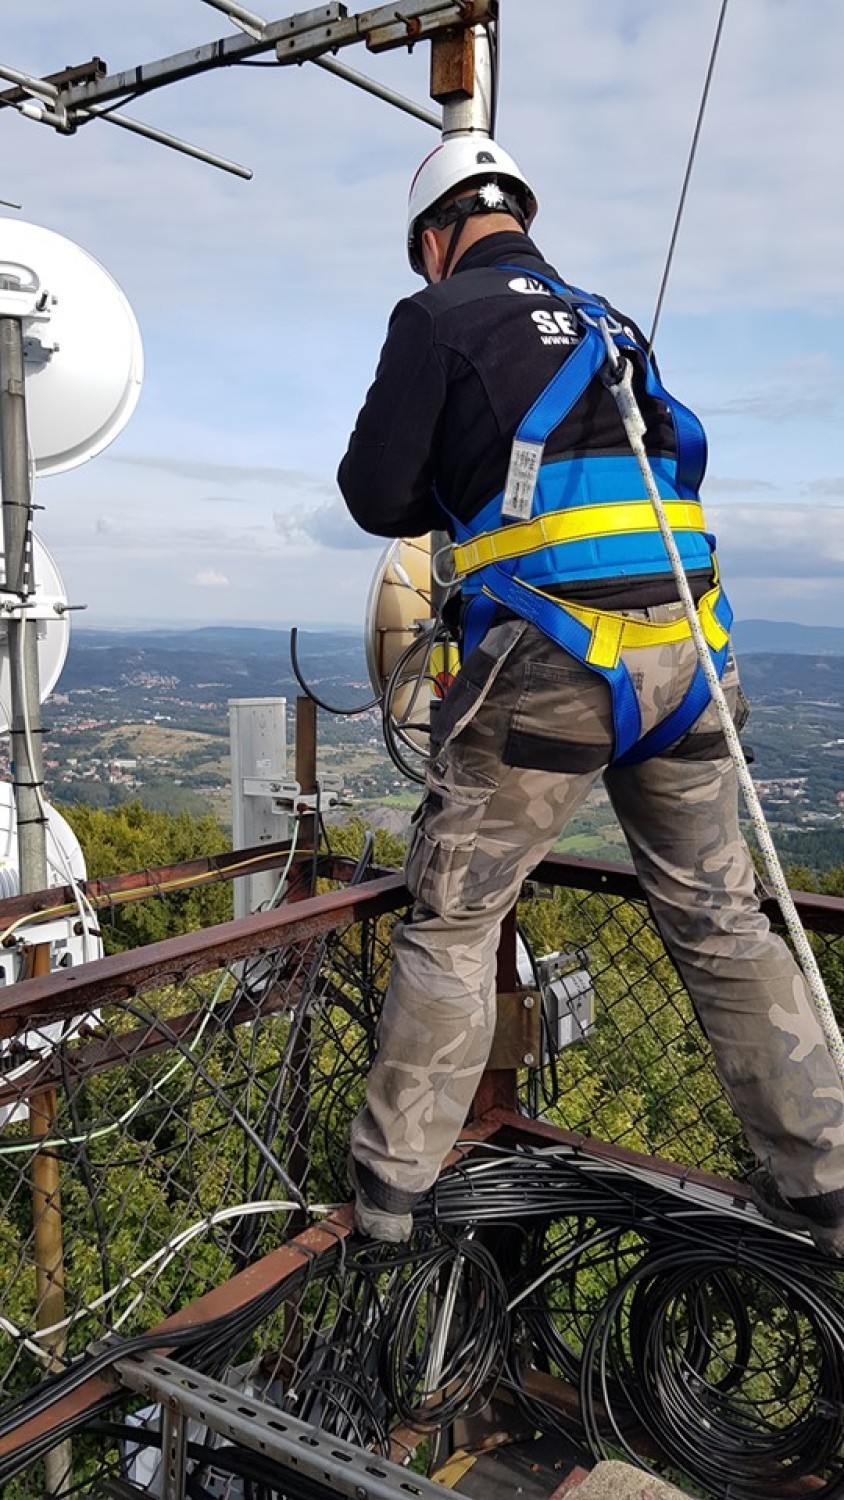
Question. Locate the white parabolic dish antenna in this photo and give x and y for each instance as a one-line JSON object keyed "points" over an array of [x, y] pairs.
{"points": [[52, 631], [83, 356]]}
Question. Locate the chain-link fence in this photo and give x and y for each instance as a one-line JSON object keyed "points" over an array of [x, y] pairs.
{"points": [[171, 1116], [638, 1071]]}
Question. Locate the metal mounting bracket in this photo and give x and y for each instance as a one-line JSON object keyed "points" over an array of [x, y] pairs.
{"points": [[288, 797], [333, 1465], [517, 1042]]}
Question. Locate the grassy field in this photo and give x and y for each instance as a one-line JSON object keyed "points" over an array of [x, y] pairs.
{"points": [[162, 741]]}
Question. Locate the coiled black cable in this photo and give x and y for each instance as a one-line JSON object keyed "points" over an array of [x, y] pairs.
{"points": [[431, 1376], [694, 1323], [687, 1377], [396, 731], [687, 1326]]}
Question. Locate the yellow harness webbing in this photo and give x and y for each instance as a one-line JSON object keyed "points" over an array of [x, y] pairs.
{"points": [[575, 524], [612, 633]]}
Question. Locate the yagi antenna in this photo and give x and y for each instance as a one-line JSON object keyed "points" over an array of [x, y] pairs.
{"points": [[40, 88], [44, 107], [87, 91], [137, 127], [246, 19]]}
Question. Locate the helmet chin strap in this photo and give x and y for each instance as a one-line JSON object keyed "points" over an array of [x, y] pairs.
{"points": [[461, 209], [459, 225]]}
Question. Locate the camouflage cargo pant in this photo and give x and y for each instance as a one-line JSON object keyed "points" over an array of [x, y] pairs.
{"points": [[520, 739]]}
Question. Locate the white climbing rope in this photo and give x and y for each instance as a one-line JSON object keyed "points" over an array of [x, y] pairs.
{"points": [[621, 387]]}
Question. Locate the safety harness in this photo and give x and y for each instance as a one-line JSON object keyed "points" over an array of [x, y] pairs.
{"points": [[537, 533]]}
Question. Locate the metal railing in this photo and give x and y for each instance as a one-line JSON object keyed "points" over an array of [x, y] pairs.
{"points": [[193, 1098]]}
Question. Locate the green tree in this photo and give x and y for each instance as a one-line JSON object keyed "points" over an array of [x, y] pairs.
{"points": [[348, 839], [131, 837]]}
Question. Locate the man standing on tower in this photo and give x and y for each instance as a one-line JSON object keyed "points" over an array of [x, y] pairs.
{"points": [[490, 417]]}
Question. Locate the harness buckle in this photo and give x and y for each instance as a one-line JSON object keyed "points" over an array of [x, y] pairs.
{"points": [[615, 359], [597, 316]]}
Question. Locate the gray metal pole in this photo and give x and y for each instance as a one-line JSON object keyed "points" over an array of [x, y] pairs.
{"points": [[27, 750], [379, 90], [474, 114], [28, 778], [464, 113]]}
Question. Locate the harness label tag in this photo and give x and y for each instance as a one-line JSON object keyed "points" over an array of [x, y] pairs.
{"points": [[525, 459]]}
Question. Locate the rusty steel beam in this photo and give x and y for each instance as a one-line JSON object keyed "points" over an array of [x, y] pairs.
{"points": [[100, 1053], [158, 880], [306, 766], [220, 1301], [819, 913], [167, 880], [73, 992], [824, 914]]}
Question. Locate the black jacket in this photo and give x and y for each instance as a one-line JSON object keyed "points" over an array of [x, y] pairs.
{"points": [[462, 363]]}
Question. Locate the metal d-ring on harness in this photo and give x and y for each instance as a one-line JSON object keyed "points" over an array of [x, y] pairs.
{"points": [[620, 383]]}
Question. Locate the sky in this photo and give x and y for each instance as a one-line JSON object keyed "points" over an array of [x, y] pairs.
{"points": [[263, 305]]}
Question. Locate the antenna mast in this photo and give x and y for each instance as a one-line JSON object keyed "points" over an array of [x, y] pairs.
{"points": [[66, 101]]}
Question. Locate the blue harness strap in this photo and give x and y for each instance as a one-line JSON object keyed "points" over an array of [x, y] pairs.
{"points": [[678, 723], [554, 403], [551, 617], [548, 613], [568, 385]]}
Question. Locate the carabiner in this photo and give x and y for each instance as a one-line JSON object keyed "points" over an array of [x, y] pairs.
{"points": [[446, 551], [606, 326], [614, 358]]}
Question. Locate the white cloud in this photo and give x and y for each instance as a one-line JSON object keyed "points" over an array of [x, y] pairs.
{"points": [[220, 473], [830, 488], [209, 578], [722, 485], [763, 541], [328, 525], [805, 390]]}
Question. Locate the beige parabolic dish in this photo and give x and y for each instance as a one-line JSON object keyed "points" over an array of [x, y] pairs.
{"points": [[393, 608]]}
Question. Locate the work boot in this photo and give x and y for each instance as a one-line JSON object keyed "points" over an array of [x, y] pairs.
{"points": [[773, 1205], [376, 1223]]}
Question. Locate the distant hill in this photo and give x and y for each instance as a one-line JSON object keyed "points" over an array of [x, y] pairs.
{"points": [[784, 636], [260, 640], [749, 635], [175, 671], [159, 699]]}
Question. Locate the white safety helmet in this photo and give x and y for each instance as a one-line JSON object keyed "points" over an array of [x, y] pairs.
{"points": [[470, 160]]}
